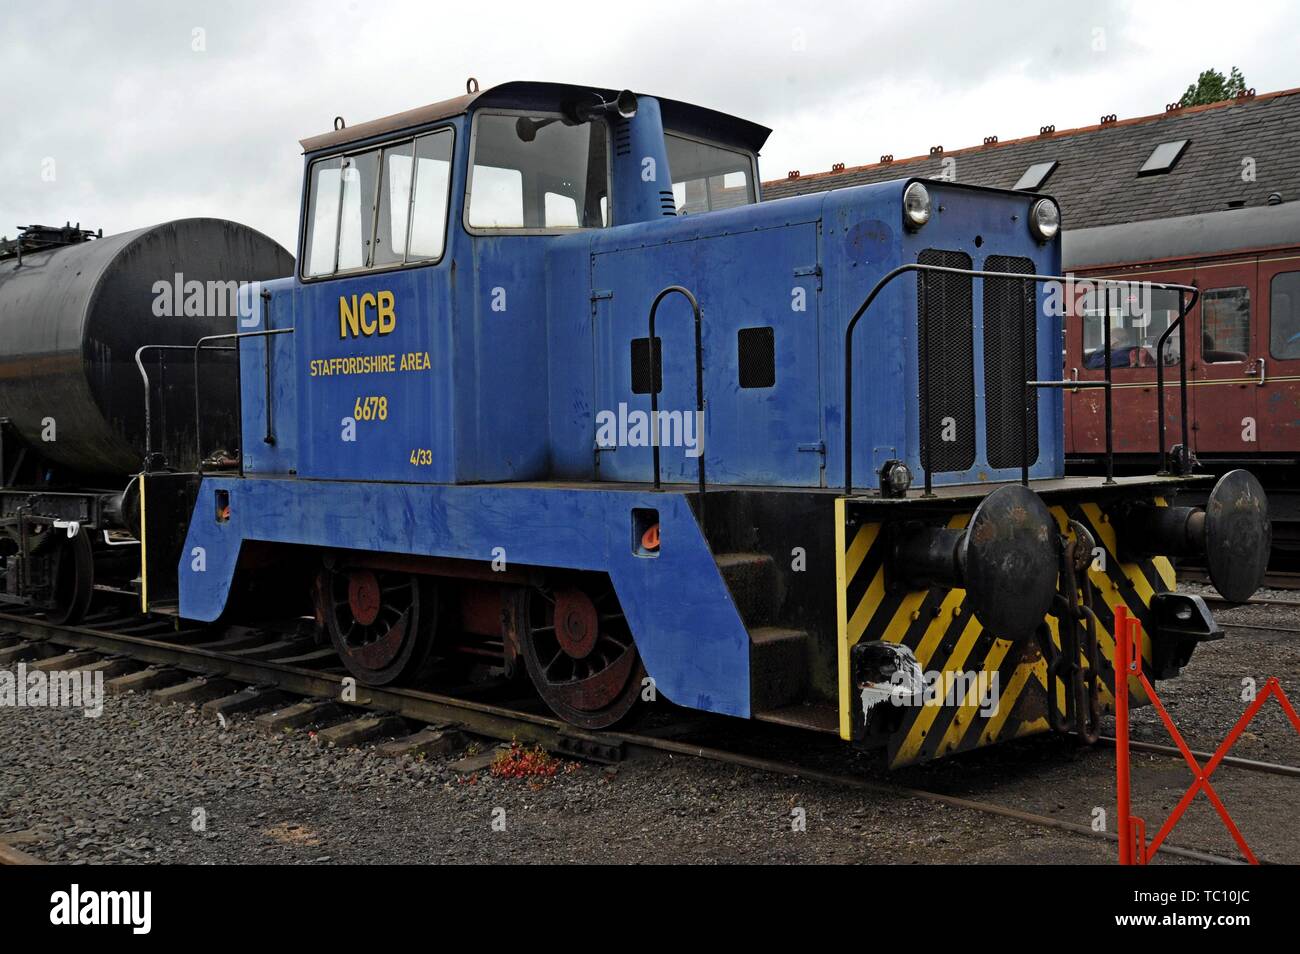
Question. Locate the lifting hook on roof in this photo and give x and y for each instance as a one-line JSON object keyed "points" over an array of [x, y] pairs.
{"points": [[339, 123], [471, 85]]}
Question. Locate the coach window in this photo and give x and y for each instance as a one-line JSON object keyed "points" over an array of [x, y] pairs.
{"points": [[537, 173], [1284, 316], [708, 177], [1138, 317], [1225, 325]]}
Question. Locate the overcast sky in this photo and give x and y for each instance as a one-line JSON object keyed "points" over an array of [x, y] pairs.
{"points": [[122, 115]]}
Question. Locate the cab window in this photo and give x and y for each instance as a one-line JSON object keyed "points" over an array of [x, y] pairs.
{"points": [[1284, 316], [537, 172], [378, 208], [357, 210], [322, 218], [1225, 325], [1139, 315], [708, 177]]}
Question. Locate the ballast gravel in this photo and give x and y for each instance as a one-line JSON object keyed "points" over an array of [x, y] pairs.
{"points": [[147, 782]]}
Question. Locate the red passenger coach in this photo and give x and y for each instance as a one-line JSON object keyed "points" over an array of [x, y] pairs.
{"points": [[1242, 345]]}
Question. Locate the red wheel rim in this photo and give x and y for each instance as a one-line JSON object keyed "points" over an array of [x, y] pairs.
{"points": [[577, 624], [364, 596]]}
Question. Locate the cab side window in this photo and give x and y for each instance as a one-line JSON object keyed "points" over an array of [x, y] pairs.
{"points": [[322, 218], [1225, 325], [378, 208], [708, 177], [357, 210], [430, 191], [1284, 316], [538, 172]]}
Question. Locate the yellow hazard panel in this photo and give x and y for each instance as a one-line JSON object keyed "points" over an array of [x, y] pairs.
{"points": [[977, 689]]}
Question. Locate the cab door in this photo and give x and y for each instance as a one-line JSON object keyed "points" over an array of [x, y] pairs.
{"points": [[759, 357], [1278, 381], [1224, 341]]}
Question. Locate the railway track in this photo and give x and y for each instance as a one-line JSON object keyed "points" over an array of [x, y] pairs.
{"points": [[1283, 580], [276, 665], [1254, 601], [1285, 604]]}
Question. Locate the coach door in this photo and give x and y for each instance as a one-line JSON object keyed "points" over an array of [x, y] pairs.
{"points": [[1138, 316], [1225, 345], [1279, 365]]}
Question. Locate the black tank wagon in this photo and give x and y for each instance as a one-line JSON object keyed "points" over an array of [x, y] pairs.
{"points": [[75, 309]]}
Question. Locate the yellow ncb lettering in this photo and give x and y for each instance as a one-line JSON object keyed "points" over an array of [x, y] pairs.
{"points": [[355, 314]]}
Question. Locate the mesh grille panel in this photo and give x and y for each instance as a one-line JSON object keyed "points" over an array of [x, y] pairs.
{"points": [[756, 357], [1010, 338], [945, 336], [641, 372]]}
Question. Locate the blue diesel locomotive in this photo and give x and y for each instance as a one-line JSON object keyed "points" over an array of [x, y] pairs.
{"points": [[552, 389]]}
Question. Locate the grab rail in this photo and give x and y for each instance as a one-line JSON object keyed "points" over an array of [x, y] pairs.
{"points": [[198, 348], [195, 348], [1184, 306], [656, 362]]}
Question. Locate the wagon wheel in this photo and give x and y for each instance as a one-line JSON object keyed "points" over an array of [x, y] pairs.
{"points": [[382, 624], [580, 655], [72, 568]]}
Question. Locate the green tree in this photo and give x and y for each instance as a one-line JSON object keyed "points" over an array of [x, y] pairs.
{"points": [[1213, 87]]}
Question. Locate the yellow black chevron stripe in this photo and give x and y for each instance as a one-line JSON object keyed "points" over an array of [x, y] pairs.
{"points": [[940, 629]]}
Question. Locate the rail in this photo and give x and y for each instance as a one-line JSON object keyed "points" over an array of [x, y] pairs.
{"points": [[656, 363], [1030, 386]]}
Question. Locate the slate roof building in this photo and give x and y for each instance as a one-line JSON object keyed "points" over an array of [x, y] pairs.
{"points": [[1183, 161]]}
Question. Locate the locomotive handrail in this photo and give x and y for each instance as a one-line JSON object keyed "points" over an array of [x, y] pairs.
{"points": [[655, 358], [148, 402], [239, 391], [1185, 460], [1184, 307]]}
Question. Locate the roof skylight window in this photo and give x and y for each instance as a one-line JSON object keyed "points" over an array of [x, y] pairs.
{"points": [[1163, 158]]}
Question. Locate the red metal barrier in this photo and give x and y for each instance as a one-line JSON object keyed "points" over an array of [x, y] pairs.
{"points": [[1132, 829]]}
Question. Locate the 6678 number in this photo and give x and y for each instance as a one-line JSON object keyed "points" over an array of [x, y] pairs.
{"points": [[371, 409]]}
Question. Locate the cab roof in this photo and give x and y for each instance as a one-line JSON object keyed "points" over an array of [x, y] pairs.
{"points": [[678, 116]]}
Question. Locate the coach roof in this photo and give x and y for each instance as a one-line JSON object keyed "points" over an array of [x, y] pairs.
{"points": [[1184, 236]]}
